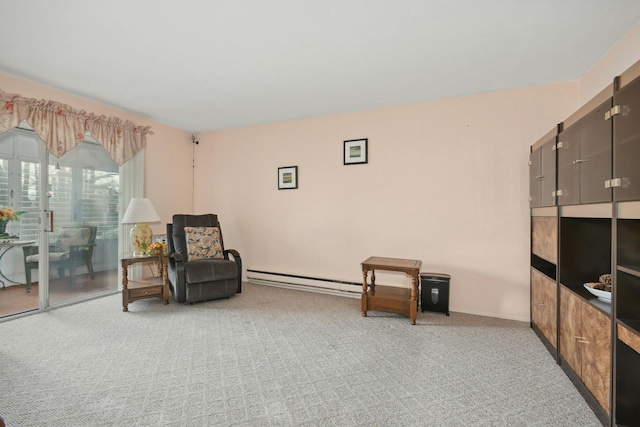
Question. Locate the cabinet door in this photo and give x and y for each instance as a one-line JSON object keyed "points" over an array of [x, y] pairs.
{"points": [[626, 142], [595, 155], [535, 179], [570, 329], [596, 353], [568, 167], [544, 237], [544, 305], [548, 168]]}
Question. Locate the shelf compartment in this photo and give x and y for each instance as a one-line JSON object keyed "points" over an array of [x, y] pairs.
{"points": [[627, 411], [628, 243], [544, 266], [633, 270], [628, 296], [585, 250], [390, 299]]}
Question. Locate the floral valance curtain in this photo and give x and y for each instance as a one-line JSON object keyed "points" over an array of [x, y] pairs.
{"points": [[62, 127]]}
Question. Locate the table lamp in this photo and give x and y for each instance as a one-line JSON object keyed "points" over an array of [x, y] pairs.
{"points": [[139, 213]]}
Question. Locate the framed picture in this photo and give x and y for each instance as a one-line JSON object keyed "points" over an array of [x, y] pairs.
{"points": [[288, 178], [355, 151]]}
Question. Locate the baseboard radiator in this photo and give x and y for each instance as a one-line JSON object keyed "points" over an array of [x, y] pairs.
{"points": [[305, 283]]}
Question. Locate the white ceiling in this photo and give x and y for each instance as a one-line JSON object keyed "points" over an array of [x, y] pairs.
{"points": [[202, 65]]}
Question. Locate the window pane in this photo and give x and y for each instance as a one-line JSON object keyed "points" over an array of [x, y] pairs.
{"points": [[30, 196]]}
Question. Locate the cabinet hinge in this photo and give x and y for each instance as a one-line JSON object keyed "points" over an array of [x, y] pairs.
{"points": [[530, 163], [612, 112], [556, 193], [617, 183], [530, 198], [557, 146]]}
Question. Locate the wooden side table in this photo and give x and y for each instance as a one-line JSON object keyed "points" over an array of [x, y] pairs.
{"points": [[390, 298], [154, 287]]}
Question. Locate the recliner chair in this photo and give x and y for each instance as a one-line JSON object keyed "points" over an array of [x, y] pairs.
{"points": [[200, 269]]}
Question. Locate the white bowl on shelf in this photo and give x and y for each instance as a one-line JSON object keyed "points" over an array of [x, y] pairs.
{"points": [[602, 295]]}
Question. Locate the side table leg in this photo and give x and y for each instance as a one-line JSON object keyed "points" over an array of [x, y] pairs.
{"points": [[125, 290], [165, 282], [364, 293], [413, 309]]}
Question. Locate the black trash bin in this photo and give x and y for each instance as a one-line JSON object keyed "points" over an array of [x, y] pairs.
{"points": [[434, 292]]}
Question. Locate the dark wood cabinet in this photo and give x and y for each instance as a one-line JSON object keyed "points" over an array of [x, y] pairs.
{"points": [[542, 172], [544, 237], [626, 142], [585, 344], [544, 306], [597, 231], [584, 159]]}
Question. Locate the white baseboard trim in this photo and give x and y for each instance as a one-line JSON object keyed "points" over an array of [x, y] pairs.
{"points": [[305, 283]]}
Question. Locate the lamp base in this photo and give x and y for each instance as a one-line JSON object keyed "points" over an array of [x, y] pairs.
{"points": [[140, 236]]}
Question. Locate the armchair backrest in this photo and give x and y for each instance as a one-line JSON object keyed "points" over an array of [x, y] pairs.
{"points": [[176, 239], [71, 236]]}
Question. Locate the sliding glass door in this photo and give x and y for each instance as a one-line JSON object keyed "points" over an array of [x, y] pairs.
{"points": [[82, 208], [64, 247]]}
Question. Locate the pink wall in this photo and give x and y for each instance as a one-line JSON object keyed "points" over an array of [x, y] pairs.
{"points": [[447, 183], [168, 156]]}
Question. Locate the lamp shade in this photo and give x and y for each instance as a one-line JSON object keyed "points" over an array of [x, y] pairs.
{"points": [[140, 210]]}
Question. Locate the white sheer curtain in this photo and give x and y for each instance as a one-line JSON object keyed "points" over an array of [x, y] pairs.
{"points": [[131, 186]]}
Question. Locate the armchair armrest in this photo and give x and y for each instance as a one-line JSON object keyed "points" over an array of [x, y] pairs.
{"points": [[176, 275], [176, 257], [238, 260], [83, 247], [29, 250]]}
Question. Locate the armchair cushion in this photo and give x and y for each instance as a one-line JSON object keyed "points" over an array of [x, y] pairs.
{"points": [[53, 257], [207, 270], [203, 242], [70, 237]]}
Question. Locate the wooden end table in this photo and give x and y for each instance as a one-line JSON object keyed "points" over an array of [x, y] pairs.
{"points": [[154, 287], [390, 298]]}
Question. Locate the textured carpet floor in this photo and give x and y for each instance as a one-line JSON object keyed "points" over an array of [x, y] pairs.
{"points": [[276, 357]]}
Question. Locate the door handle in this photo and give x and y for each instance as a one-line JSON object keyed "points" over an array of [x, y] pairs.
{"points": [[49, 227]]}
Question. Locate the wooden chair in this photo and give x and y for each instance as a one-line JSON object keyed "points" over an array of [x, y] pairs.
{"points": [[73, 248]]}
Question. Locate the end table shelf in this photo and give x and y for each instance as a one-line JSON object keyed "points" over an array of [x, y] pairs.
{"points": [[154, 287]]}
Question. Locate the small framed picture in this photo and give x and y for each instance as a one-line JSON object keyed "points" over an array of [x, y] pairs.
{"points": [[355, 151], [288, 178]]}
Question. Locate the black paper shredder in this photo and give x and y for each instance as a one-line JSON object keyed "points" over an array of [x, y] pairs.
{"points": [[434, 292]]}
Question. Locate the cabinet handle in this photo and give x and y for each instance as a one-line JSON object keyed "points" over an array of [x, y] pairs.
{"points": [[540, 177], [583, 342], [540, 303], [579, 338], [580, 161]]}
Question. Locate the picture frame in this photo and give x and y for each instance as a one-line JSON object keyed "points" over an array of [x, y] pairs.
{"points": [[356, 151], [288, 178]]}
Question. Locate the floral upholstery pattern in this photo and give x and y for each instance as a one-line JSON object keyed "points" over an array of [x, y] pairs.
{"points": [[203, 242], [65, 239], [71, 236]]}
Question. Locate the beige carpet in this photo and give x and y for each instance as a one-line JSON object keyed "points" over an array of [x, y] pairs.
{"points": [[276, 357]]}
